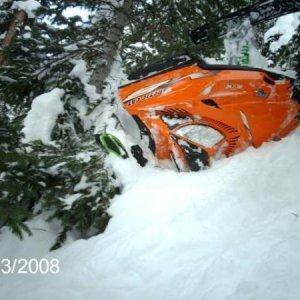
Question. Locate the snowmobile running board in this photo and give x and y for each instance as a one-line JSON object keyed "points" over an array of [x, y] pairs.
{"points": [[260, 11]]}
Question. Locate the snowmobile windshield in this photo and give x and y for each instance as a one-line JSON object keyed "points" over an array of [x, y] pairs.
{"points": [[163, 66], [174, 63]]}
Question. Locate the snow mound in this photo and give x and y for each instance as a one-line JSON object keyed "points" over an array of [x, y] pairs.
{"points": [[29, 6], [42, 116], [230, 232]]}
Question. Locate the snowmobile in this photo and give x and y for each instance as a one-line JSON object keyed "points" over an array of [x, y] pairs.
{"points": [[192, 112]]}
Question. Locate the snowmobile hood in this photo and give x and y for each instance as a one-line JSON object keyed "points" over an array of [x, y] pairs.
{"points": [[192, 114]]}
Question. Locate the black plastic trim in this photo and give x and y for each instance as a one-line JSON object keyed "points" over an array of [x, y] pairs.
{"points": [[211, 102], [142, 75], [145, 131]]}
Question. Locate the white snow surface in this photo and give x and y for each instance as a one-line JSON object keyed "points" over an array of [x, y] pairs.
{"points": [[69, 199], [29, 6], [42, 116], [230, 232]]}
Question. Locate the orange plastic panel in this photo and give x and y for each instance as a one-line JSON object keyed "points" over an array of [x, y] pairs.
{"points": [[246, 107]]}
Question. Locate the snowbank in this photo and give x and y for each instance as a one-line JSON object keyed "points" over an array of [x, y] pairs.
{"points": [[42, 116], [230, 232], [29, 6]]}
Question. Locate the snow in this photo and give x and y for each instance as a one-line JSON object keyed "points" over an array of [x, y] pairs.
{"points": [[37, 245], [238, 37], [286, 27], [229, 232], [41, 119], [80, 11], [27, 35], [202, 135], [175, 121], [82, 184], [69, 199], [80, 71], [29, 6], [85, 156], [72, 47]]}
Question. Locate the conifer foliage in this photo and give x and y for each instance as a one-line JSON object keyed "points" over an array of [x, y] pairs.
{"points": [[66, 176], [160, 29]]}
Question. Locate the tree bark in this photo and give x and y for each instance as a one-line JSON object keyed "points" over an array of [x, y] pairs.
{"points": [[19, 19], [111, 38]]}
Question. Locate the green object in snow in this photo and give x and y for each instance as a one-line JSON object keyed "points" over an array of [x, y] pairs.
{"points": [[244, 59], [111, 144]]}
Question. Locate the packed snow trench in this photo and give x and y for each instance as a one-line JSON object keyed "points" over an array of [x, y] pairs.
{"points": [[230, 232]]}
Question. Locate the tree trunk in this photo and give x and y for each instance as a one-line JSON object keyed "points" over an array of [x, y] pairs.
{"points": [[19, 19], [111, 38]]}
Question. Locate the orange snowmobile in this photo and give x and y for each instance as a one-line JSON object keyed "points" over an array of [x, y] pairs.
{"points": [[193, 112]]}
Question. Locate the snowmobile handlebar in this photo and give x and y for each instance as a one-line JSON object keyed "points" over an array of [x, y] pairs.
{"points": [[258, 12]]}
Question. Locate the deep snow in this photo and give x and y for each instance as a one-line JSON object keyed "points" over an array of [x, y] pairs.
{"points": [[230, 232]]}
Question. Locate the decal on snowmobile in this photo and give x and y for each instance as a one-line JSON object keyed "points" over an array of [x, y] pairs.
{"points": [[145, 91], [156, 92]]}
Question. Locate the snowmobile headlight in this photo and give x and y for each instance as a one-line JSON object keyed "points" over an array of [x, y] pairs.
{"points": [[200, 134]]}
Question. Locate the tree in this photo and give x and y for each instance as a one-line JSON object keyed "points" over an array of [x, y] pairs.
{"points": [[160, 29], [44, 53]]}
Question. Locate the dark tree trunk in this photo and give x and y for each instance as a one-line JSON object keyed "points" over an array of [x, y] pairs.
{"points": [[18, 20]]}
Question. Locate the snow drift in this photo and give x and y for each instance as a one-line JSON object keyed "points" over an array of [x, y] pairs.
{"points": [[230, 232]]}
